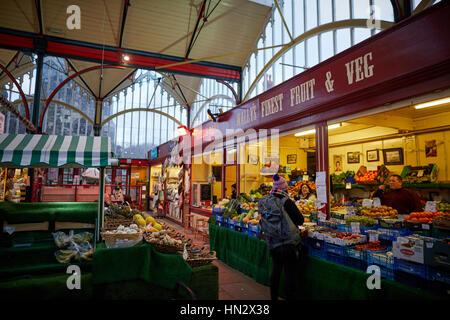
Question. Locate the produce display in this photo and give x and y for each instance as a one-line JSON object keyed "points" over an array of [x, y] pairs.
{"points": [[424, 217], [132, 229], [163, 238], [120, 212], [343, 177], [263, 190], [294, 190], [363, 221], [306, 208], [367, 178], [443, 206], [379, 212], [371, 245], [442, 222]]}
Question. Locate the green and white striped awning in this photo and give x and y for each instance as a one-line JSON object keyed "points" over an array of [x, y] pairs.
{"points": [[35, 150]]}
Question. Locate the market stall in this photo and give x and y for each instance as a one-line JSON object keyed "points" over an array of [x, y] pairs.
{"points": [[341, 129]]}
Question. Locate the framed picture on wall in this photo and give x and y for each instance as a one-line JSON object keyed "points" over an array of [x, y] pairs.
{"points": [[372, 155], [337, 160], [352, 157], [393, 156], [253, 159], [292, 158]]}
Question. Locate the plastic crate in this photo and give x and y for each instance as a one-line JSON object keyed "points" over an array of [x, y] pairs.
{"points": [[392, 234], [380, 259], [411, 279], [355, 263], [334, 249], [334, 258], [352, 253], [253, 230], [328, 224], [315, 247], [363, 230], [416, 269], [231, 224], [344, 228], [217, 211], [439, 275]]}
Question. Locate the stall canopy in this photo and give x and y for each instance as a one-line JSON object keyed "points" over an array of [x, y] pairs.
{"points": [[35, 150]]}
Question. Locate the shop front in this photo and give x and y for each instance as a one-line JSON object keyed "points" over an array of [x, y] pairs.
{"points": [[343, 128]]}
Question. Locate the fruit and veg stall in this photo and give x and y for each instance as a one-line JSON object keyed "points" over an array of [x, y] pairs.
{"points": [[343, 245], [40, 240]]}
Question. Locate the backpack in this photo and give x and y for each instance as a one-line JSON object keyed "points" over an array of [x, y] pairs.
{"points": [[275, 223]]}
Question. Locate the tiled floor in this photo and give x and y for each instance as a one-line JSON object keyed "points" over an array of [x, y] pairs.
{"points": [[233, 284]]}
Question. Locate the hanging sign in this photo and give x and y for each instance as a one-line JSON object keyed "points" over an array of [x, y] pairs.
{"points": [[154, 153]]}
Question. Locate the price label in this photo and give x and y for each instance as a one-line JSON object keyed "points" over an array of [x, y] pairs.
{"points": [[425, 226], [430, 206], [348, 185], [305, 177], [350, 211], [355, 227], [321, 216], [9, 230], [373, 236], [367, 203], [376, 202]]}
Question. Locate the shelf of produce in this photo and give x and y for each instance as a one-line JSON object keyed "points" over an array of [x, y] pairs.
{"points": [[406, 185]]}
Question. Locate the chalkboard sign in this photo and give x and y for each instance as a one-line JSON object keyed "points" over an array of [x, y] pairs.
{"points": [[205, 192]]}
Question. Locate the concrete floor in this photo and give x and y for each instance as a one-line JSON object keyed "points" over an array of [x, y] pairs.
{"points": [[233, 284]]}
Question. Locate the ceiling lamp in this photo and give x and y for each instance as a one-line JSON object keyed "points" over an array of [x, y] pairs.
{"points": [[213, 116], [433, 103], [126, 57], [182, 131]]}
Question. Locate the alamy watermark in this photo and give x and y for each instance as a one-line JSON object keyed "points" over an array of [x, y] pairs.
{"points": [[74, 280], [73, 21]]}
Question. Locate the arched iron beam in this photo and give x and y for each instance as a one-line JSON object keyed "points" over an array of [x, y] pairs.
{"points": [[67, 80], [320, 29], [24, 99], [231, 88], [140, 109]]}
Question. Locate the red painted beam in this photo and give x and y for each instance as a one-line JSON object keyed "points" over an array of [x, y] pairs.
{"points": [[92, 52]]}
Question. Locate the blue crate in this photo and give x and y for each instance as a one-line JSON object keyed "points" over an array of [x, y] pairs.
{"points": [[219, 219], [328, 224], [230, 224], [344, 228], [254, 227], [387, 273], [373, 257], [315, 247], [363, 230], [216, 211], [438, 275], [334, 249], [416, 269], [334, 258], [391, 234], [410, 279], [352, 253], [355, 263], [315, 243]]}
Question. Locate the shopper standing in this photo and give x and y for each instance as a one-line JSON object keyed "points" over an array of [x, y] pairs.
{"points": [[280, 219]]}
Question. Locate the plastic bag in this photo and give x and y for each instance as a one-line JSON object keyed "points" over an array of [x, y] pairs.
{"points": [[75, 247], [123, 243]]}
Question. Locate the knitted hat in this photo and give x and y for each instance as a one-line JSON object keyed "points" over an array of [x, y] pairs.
{"points": [[279, 183]]}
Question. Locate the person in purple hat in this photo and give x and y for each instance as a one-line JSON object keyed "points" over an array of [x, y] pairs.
{"points": [[279, 223]]}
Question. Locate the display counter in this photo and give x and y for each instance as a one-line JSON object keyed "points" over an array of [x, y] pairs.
{"points": [[137, 272], [317, 278]]}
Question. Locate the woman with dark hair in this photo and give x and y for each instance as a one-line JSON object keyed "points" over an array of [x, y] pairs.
{"points": [[305, 194]]}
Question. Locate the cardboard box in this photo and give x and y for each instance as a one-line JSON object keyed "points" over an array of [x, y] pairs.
{"points": [[411, 248]]}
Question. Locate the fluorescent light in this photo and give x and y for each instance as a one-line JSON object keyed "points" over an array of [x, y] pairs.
{"points": [[304, 133], [432, 103], [334, 126]]}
